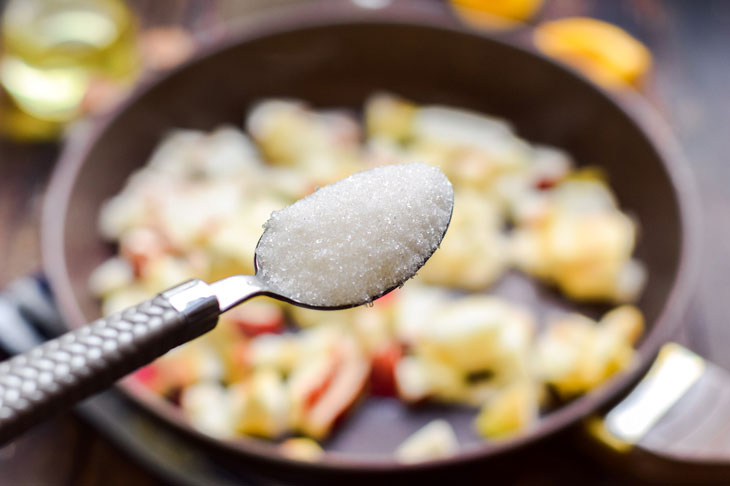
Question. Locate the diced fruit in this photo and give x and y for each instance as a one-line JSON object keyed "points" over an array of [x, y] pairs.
{"points": [[140, 247], [237, 361], [322, 339], [550, 166], [261, 405], [372, 327], [382, 374], [602, 51], [576, 354], [464, 128], [496, 14], [123, 298], [258, 317], [389, 117], [233, 243], [434, 440], [580, 240], [120, 213], [416, 306], [381, 150], [339, 397], [467, 332], [388, 300], [471, 255], [582, 243], [278, 351], [309, 381], [166, 271], [150, 377], [113, 274], [206, 405], [418, 378], [627, 321], [183, 366], [630, 281], [186, 365], [511, 411], [288, 133], [412, 380], [301, 449]]}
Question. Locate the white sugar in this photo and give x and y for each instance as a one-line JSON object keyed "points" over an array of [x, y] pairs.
{"points": [[357, 238]]}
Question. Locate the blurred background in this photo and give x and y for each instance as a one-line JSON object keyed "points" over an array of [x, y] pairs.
{"points": [[673, 52]]}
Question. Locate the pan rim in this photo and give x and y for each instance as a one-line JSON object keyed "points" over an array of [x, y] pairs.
{"points": [[636, 109]]}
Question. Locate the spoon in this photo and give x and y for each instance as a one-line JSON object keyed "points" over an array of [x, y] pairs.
{"points": [[63, 371]]}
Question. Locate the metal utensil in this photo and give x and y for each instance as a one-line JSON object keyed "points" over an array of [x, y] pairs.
{"points": [[61, 372]]}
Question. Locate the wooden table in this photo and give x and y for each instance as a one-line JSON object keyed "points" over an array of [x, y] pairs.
{"points": [[690, 42]]}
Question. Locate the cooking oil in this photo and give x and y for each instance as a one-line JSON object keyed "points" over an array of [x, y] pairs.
{"points": [[53, 48]]}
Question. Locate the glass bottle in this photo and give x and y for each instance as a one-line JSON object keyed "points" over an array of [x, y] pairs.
{"points": [[53, 48]]}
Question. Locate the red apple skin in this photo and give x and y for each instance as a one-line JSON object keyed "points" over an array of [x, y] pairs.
{"points": [[140, 248], [545, 183], [254, 321], [238, 361], [316, 393], [343, 390], [153, 378], [387, 300], [147, 374], [332, 408], [382, 373]]}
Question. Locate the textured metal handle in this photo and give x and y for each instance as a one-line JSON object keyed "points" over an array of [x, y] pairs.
{"points": [[63, 371]]}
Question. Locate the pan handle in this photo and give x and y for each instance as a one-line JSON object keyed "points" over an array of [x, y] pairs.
{"points": [[61, 372], [673, 427]]}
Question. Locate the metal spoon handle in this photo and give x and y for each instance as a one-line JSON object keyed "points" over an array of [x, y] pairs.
{"points": [[61, 372]]}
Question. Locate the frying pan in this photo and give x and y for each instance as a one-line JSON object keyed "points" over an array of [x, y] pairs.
{"points": [[335, 55]]}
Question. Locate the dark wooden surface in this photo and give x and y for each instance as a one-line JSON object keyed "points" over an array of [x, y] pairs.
{"points": [[690, 41]]}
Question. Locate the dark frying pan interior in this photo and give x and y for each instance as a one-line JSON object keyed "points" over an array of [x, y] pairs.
{"points": [[339, 65]]}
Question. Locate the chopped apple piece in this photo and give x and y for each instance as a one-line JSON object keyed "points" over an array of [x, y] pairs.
{"points": [[309, 381], [382, 374], [278, 351], [412, 380], [418, 378], [150, 377], [258, 317], [167, 271], [183, 366], [123, 298], [261, 405], [416, 306], [434, 440], [140, 247], [206, 405], [389, 117], [627, 321], [467, 333], [340, 395], [114, 274], [301, 449], [472, 254], [511, 411], [372, 327], [576, 354]]}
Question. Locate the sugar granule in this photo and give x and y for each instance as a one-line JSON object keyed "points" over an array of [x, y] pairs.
{"points": [[350, 241]]}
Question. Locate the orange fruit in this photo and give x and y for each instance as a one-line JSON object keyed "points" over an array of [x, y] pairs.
{"points": [[604, 52], [495, 14]]}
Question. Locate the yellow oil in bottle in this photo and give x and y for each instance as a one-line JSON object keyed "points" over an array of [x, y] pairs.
{"points": [[52, 48]]}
